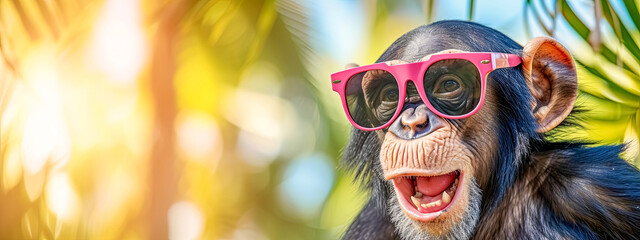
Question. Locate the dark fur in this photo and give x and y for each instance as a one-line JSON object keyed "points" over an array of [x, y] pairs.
{"points": [[537, 189]]}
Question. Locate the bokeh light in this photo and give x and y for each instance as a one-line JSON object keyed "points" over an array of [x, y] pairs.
{"points": [[61, 198], [199, 137], [118, 46], [305, 187], [185, 221]]}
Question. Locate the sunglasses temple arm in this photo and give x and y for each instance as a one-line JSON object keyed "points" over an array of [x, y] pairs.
{"points": [[514, 60], [503, 60]]}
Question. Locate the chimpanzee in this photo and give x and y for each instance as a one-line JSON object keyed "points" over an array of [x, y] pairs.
{"points": [[450, 129]]}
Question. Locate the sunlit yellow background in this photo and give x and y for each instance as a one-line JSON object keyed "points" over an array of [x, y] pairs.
{"points": [[148, 119]]}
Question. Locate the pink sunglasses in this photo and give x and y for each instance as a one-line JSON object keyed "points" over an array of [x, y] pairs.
{"points": [[452, 85]]}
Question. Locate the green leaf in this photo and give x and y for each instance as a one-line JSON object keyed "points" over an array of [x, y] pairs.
{"points": [[470, 10], [574, 20], [621, 30], [632, 9], [428, 10], [600, 85], [613, 74], [612, 57], [538, 17], [606, 131], [607, 110]]}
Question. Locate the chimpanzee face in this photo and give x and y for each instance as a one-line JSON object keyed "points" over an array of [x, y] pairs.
{"points": [[414, 105]]}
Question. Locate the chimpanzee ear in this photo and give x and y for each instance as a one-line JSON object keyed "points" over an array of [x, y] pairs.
{"points": [[551, 76]]}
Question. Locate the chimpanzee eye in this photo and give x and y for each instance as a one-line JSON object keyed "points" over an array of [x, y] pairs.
{"points": [[389, 94], [387, 102], [448, 85], [381, 92]]}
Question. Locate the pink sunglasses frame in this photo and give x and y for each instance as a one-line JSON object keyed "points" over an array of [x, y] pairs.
{"points": [[485, 62]]}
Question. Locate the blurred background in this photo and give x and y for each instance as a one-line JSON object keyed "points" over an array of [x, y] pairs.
{"points": [[148, 119]]}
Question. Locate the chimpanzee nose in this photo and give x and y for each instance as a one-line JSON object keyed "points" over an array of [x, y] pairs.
{"points": [[415, 122]]}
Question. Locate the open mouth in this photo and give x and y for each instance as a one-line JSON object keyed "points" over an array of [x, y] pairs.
{"points": [[424, 198]]}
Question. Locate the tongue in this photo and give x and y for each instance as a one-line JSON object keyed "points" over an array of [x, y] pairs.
{"points": [[432, 186]]}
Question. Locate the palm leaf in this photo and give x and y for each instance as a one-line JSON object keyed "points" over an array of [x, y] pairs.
{"points": [[632, 9], [620, 30]]}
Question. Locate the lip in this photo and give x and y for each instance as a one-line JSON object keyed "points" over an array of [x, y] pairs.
{"points": [[399, 172], [408, 207]]}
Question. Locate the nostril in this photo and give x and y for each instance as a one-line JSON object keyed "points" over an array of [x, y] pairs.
{"points": [[415, 124]]}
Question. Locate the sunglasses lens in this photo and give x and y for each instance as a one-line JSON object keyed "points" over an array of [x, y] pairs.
{"points": [[372, 97], [453, 86]]}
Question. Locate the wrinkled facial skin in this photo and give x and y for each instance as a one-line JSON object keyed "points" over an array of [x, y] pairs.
{"points": [[420, 143]]}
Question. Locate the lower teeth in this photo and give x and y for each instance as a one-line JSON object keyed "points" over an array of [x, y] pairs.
{"points": [[446, 197]]}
